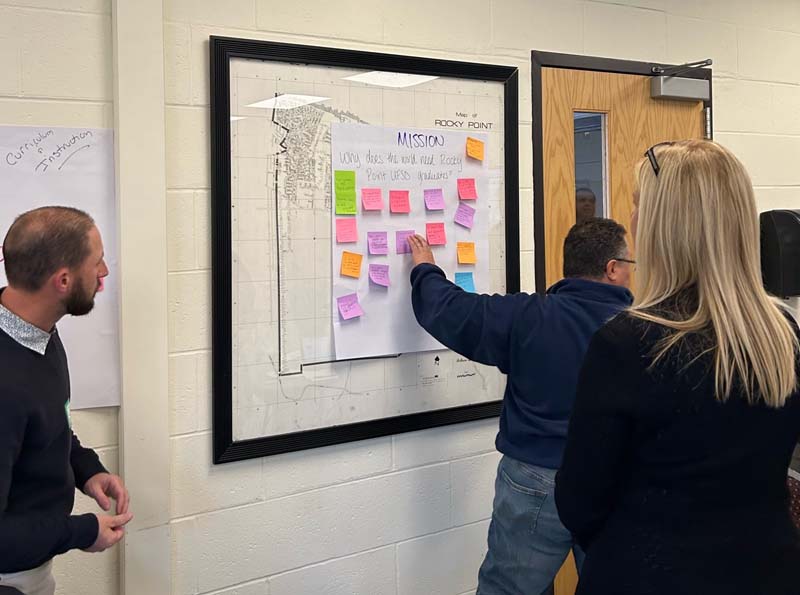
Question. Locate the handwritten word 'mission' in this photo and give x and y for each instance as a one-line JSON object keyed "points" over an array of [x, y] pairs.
{"points": [[416, 141]]}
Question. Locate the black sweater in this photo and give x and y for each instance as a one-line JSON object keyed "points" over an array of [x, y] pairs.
{"points": [[668, 489], [41, 460]]}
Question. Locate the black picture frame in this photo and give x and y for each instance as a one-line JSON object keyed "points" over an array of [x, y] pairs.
{"points": [[222, 50], [541, 60]]}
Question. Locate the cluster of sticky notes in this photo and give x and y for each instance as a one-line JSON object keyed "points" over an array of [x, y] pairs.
{"points": [[465, 281], [435, 234], [371, 199], [466, 253], [399, 202], [379, 274], [349, 307], [401, 241], [351, 264], [475, 148], [345, 192], [346, 230], [465, 215]]}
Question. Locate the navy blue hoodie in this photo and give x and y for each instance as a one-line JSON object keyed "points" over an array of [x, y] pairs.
{"points": [[537, 341]]}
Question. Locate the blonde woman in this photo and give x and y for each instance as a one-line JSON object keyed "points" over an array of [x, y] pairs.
{"points": [[687, 407]]}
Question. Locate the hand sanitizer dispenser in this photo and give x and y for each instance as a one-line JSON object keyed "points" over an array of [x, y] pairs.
{"points": [[780, 252]]}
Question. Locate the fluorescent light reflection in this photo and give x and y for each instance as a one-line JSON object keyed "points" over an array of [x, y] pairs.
{"points": [[287, 101], [395, 80]]}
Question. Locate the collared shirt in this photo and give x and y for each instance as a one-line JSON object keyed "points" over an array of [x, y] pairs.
{"points": [[23, 332]]}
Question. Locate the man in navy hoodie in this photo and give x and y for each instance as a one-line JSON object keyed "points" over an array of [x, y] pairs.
{"points": [[539, 343]]}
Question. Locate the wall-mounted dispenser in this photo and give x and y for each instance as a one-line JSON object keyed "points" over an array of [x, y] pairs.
{"points": [[780, 252]]}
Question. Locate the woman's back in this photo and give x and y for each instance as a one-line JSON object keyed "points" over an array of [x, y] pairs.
{"points": [[692, 490]]}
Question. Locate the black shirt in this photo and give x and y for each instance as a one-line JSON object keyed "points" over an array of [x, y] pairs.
{"points": [[668, 489], [41, 460]]}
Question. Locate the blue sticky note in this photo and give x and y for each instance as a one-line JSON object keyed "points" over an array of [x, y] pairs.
{"points": [[465, 281]]}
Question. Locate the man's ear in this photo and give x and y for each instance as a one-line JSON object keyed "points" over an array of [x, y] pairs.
{"points": [[61, 280], [611, 270]]}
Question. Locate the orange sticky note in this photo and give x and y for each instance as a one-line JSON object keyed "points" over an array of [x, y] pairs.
{"points": [[351, 264], [475, 148], [346, 230], [435, 234], [466, 253]]}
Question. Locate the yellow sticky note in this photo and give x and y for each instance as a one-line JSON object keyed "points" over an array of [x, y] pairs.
{"points": [[466, 253], [351, 264], [475, 148]]}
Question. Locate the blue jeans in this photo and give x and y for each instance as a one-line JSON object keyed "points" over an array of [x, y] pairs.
{"points": [[527, 542]]}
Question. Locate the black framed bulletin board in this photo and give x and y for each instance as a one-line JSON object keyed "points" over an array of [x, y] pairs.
{"points": [[318, 152]]}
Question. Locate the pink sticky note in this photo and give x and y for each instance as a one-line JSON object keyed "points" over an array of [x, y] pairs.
{"points": [[398, 201], [349, 306], [401, 241], [466, 189], [377, 242], [379, 274], [346, 230], [371, 199], [465, 215], [435, 234], [434, 199]]}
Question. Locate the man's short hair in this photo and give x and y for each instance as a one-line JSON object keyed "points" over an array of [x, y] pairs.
{"points": [[586, 191], [42, 241], [590, 245]]}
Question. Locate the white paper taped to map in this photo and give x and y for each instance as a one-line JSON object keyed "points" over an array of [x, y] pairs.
{"points": [[413, 160], [49, 166]]}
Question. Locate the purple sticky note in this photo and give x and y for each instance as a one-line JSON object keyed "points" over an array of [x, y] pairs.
{"points": [[349, 306], [434, 199], [401, 241], [379, 274], [377, 242], [465, 215]]}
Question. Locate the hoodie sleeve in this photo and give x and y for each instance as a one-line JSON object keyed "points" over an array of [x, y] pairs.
{"points": [[476, 326]]}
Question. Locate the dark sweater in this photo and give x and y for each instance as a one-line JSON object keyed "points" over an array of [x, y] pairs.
{"points": [[41, 460], [668, 489], [538, 341]]}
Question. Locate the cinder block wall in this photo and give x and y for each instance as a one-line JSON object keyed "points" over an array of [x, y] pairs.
{"points": [[400, 515]]}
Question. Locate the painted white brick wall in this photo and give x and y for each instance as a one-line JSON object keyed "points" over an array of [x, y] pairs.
{"points": [[404, 514], [408, 514], [56, 59]]}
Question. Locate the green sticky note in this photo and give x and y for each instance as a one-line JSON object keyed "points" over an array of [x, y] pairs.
{"points": [[345, 189]]}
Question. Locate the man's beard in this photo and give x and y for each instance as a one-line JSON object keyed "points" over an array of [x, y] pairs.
{"points": [[79, 302]]}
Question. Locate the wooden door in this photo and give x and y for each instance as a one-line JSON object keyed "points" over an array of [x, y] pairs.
{"points": [[634, 122]]}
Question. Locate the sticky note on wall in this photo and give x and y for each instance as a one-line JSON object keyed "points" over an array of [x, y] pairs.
{"points": [[379, 274], [351, 264], [465, 281], [466, 253], [401, 241], [377, 242], [398, 201], [346, 230], [345, 191], [466, 189], [465, 215], [371, 199], [434, 199], [475, 148], [435, 234], [349, 307]]}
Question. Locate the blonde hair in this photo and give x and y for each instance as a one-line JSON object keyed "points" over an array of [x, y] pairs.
{"points": [[698, 228]]}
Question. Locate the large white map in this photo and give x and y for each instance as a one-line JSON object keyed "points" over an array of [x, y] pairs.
{"points": [[286, 373]]}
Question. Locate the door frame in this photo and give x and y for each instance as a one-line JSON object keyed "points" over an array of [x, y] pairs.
{"points": [[541, 60]]}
